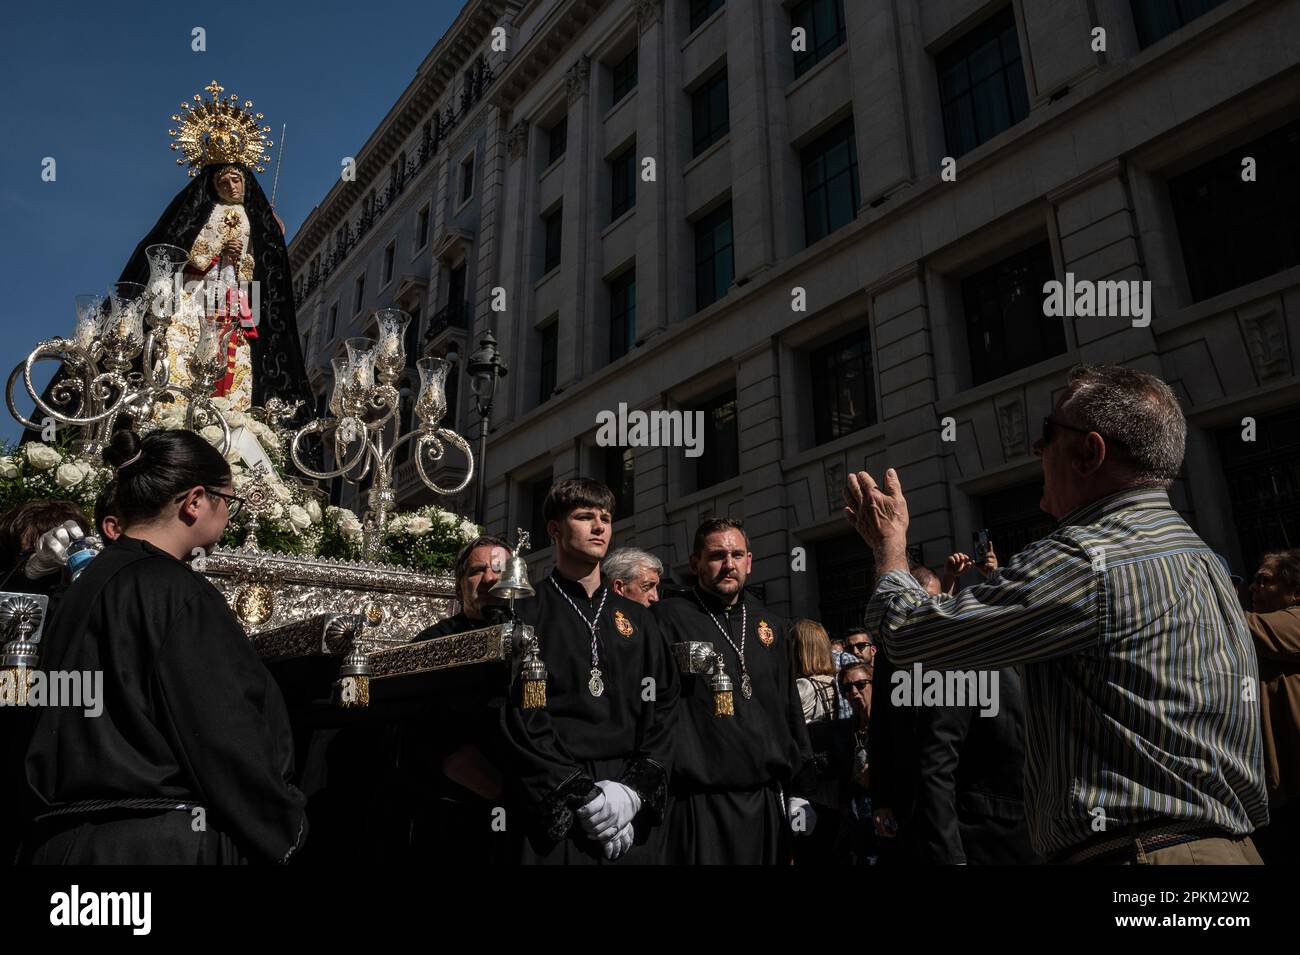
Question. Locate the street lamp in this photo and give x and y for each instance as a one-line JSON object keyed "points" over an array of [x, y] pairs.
{"points": [[485, 369]]}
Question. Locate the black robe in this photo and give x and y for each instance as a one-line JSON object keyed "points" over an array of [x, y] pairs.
{"points": [[729, 773], [191, 718], [557, 754]]}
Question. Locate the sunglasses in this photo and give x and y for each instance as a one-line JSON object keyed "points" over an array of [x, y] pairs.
{"points": [[1050, 425], [858, 685], [855, 647], [233, 502]]}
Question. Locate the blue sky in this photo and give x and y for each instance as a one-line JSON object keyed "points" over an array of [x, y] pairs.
{"points": [[94, 85]]}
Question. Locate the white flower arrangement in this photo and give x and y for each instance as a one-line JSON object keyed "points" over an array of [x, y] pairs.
{"points": [[37, 471]]}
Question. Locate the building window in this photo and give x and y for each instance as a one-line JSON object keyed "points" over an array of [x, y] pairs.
{"points": [[1005, 325], [721, 458], [624, 76], [422, 228], [557, 138], [622, 171], [844, 390], [709, 118], [1234, 232], [830, 182], [1014, 519], [537, 491], [411, 341], [467, 178], [982, 84], [549, 366], [701, 10], [622, 314], [390, 252], [359, 293], [551, 254], [1263, 478], [714, 259], [823, 25], [846, 574], [620, 477], [334, 320], [1156, 19]]}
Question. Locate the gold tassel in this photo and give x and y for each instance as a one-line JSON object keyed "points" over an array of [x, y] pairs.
{"points": [[723, 703], [535, 694], [14, 684], [354, 691]]}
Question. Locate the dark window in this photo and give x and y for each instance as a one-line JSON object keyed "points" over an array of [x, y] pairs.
{"points": [[408, 407], [720, 460], [359, 295], [714, 259], [830, 182], [1014, 520], [537, 492], [549, 364], [709, 119], [624, 76], [411, 341], [1234, 232], [334, 320], [844, 391], [422, 228], [551, 255], [467, 178], [556, 139], [622, 314], [1005, 325], [846, 574], [823, 22], [1155, 19], [389, 254], [1264, 486], [982, 84], [622, 171], [620, 477], [701, 10]]}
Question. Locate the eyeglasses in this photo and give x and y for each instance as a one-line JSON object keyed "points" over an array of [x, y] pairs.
{"points": [[855, 647], [1050, 424], [233, 502]]}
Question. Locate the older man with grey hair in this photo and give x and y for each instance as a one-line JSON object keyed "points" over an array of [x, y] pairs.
{"points": [[1143, 731], [634, 573]]}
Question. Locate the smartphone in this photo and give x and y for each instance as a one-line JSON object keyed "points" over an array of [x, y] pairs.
{"points": [[981, 538]]}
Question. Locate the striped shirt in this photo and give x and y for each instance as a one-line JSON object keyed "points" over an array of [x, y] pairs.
{"points": [[1141, 687]]}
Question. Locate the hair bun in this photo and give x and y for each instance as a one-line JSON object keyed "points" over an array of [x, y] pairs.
{"points": [[124, 448]]}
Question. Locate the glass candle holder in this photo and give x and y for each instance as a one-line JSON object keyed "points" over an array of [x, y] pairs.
{"points": [[123, 331], [360, 376], [340, 366], [90, 320], [390, 351], [166, 277], [431, 402]]}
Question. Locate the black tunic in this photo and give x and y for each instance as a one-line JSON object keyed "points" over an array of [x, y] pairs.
{"points": [[190, 717], [557, 754], [728, 772]]}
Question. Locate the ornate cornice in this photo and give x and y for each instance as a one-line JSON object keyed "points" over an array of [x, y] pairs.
{"points": [[517, 140], [577, 78], [647, 13]]}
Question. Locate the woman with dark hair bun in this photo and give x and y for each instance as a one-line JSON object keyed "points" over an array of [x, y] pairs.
{"points": [[190, 755]]}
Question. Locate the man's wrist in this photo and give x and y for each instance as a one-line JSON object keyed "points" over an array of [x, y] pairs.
{"points": [[890, 555]]}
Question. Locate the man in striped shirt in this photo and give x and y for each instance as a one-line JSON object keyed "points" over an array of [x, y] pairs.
{"points": [[1143, 737]]}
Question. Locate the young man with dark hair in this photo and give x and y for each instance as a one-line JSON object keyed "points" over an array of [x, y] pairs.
{"points": [[590, 767], [731, 774]]}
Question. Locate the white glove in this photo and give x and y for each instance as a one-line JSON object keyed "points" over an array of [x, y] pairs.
{"points": [[619, 844], [605, 818], [800, 811], [51, 552]]}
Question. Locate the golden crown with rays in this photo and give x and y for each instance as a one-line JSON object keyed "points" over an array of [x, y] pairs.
{"points": [[219, 131]]}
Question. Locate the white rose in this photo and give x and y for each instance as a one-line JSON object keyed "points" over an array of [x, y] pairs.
{"points": [[468, 529], [8, 469], [277, 510], [280, 491], [351, 528], [446, 517], [313, 511], [221, 403], [41, 457], [419, 526], [211, 434], [69, 476], [299, 517]]}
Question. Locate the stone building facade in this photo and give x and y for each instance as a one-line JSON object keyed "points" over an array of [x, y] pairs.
{"points": [[837, 255]]}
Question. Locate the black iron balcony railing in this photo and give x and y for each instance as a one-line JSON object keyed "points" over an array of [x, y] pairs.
{"points": [[451, 315], [477, 81]]}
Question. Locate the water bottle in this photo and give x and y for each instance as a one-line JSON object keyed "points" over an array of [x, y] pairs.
{"points": [[81, 552]]}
